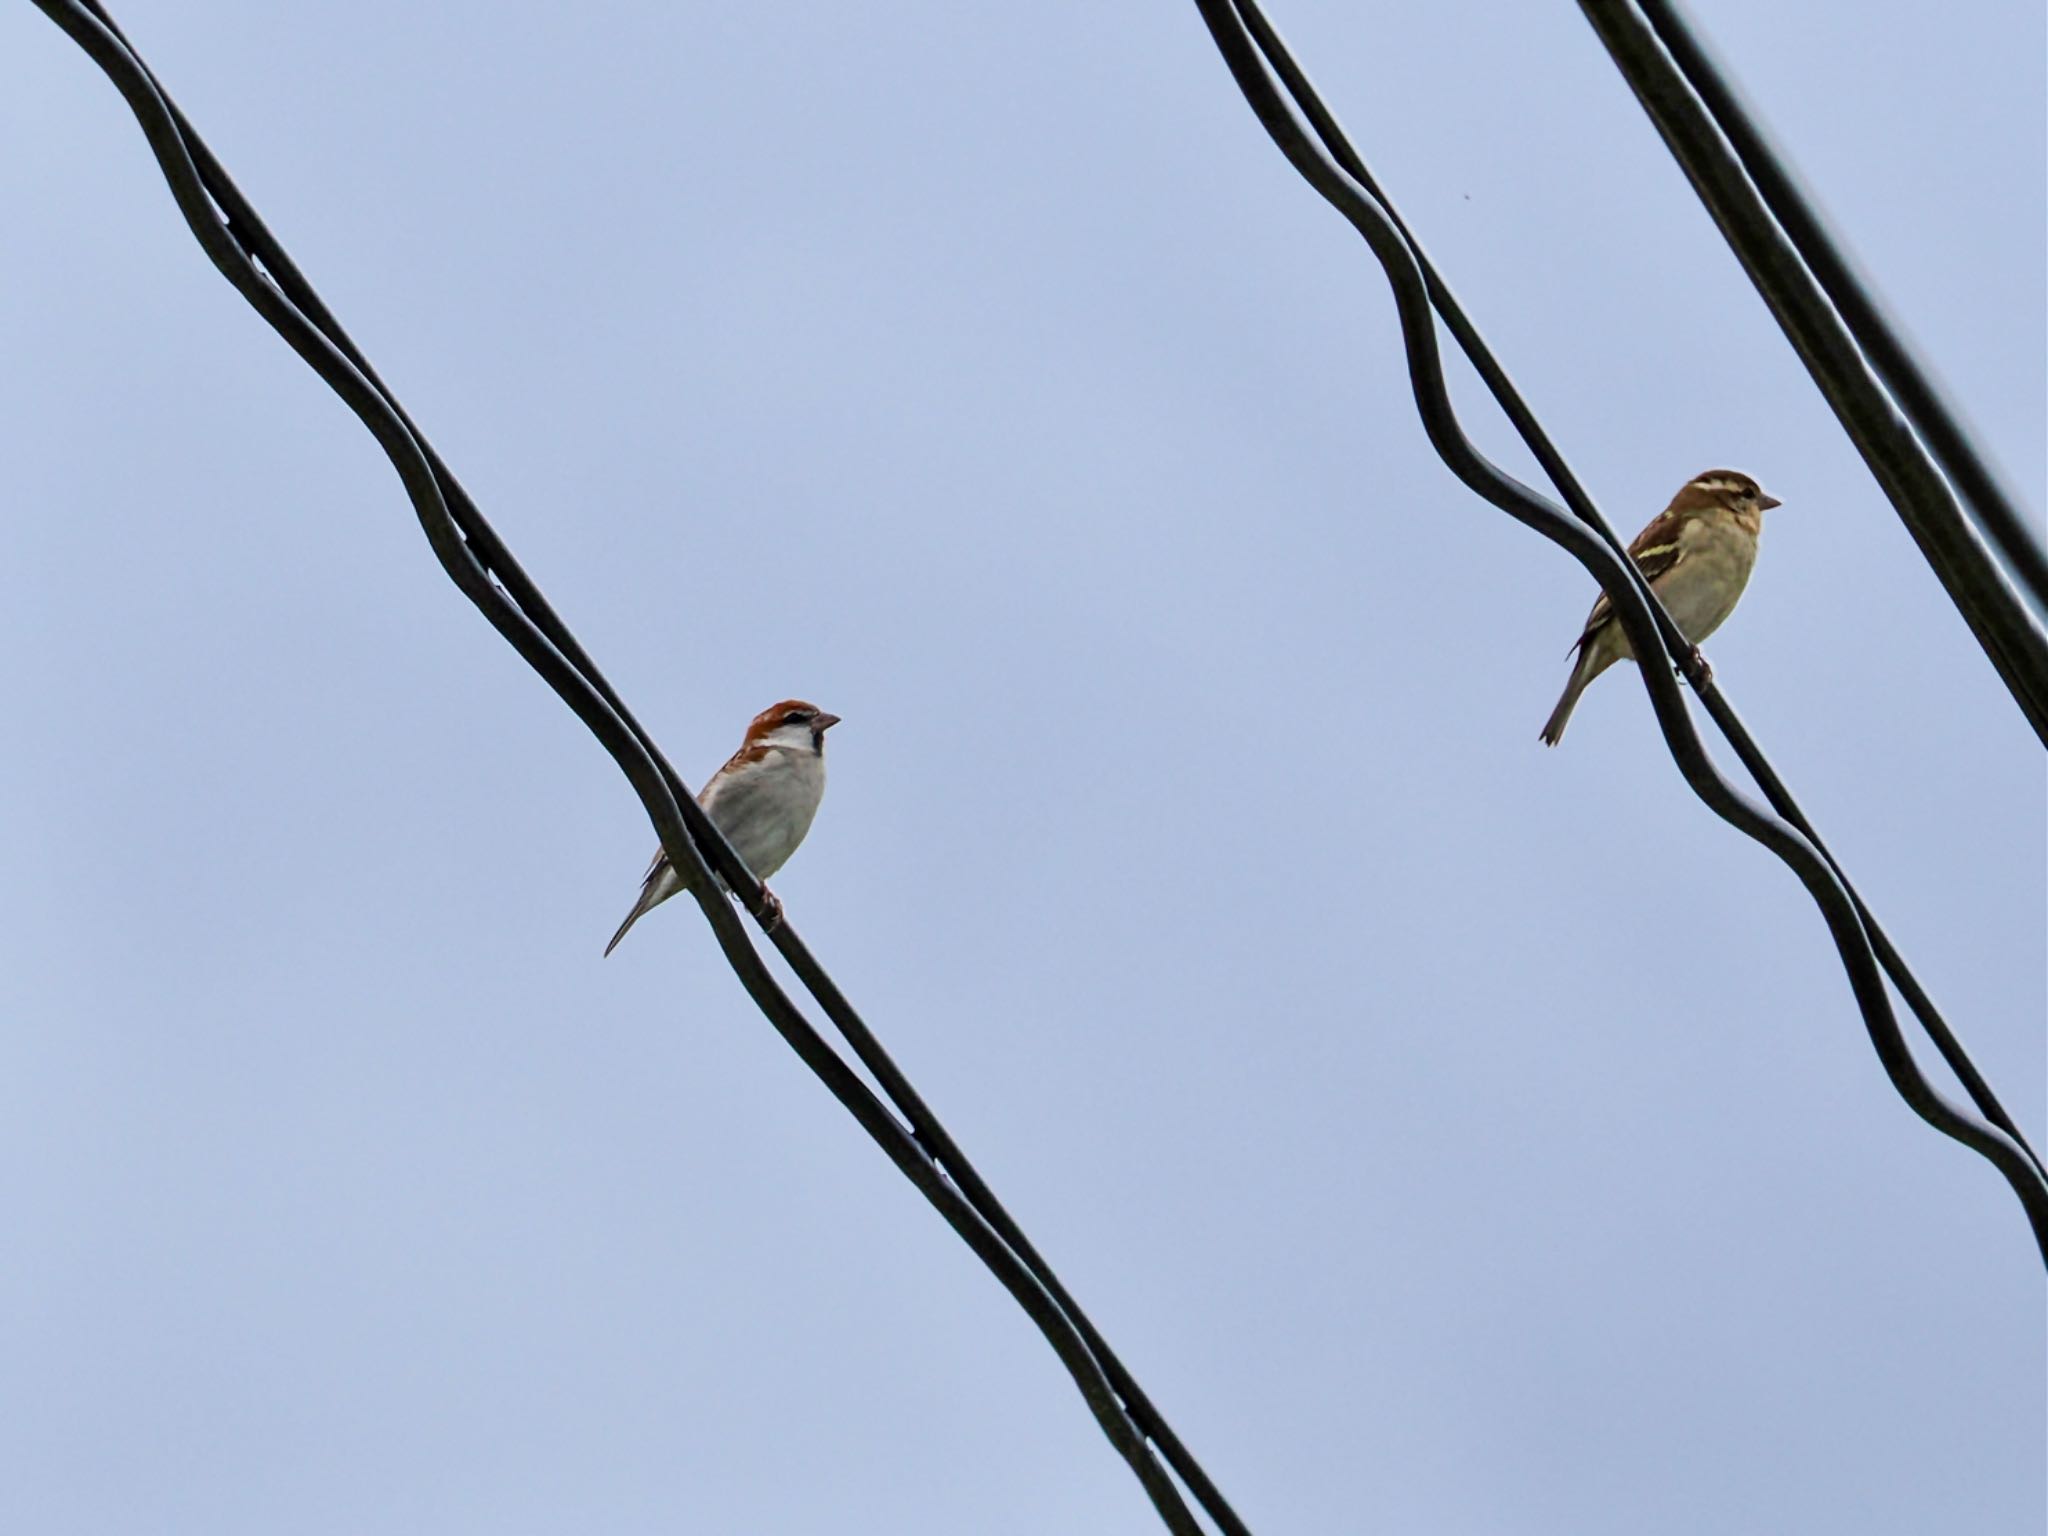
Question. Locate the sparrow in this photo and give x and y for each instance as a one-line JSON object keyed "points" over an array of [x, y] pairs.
{"points": [[1696, 555], [763, 800]]}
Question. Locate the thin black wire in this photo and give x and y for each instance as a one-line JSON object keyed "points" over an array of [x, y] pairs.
{"points": [[248, 228], [1238, 28], [2011, 634], [1998, 508], [1546, 453], [245, 252], [472, 555]]}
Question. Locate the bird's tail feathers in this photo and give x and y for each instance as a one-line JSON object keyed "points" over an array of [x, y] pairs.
{"points": [[652, 895], [660, 884], [631, 918], [1582, 674]]}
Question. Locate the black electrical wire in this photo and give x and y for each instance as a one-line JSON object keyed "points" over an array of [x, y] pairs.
{"points": [[1546, 454], [2010, 632], [1970, 468], [1252, 50], [486, 573], [246, 253]]}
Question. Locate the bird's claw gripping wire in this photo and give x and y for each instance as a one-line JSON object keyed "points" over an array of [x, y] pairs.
{"points": [[769, 910]]}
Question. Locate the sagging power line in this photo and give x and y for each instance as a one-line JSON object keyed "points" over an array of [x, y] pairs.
{"points": [[242, 247], [473, 556], [1306, 132]]}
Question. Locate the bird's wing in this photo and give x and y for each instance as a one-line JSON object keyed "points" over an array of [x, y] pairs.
{"points": [[1657, 550], [713, 788], [735, 795]]}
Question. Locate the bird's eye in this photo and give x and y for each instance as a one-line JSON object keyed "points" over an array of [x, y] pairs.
{"points": [[799, 717]]}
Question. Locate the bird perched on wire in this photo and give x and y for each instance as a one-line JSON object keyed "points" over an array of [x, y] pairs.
{"points": [[763, 800], [1696, 555]]}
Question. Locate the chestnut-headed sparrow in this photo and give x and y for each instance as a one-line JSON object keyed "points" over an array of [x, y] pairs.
{"points": [[763, 800], [1697, 555]]}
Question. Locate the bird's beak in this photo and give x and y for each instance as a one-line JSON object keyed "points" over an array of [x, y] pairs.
{"points": [[1765, 501], [824, 723]]}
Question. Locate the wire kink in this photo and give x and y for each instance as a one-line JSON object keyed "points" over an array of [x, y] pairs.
{"points": [[484, 570], [1553, 464], [1255, 55], [476, 560]]}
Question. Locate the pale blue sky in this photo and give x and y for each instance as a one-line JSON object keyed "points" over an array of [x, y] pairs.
{"points": [[1454, 1136]]}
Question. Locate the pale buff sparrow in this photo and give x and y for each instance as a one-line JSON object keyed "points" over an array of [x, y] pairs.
{"points": [[1697, 555]]}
